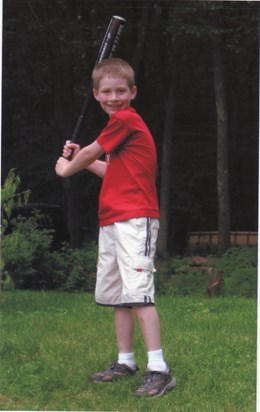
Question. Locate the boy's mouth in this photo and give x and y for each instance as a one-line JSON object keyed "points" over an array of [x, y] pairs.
{"points": [[114, 107]]}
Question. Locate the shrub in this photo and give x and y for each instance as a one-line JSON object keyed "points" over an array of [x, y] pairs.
{"points": [[236, 258], [191, 283], [175, 277], [26, 255], [238, 265], [11, 198], [75, 269], [30, 262], [241, 282]]}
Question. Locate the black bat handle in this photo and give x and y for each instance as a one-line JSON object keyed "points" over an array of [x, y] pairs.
{"points": [[84, 110]]}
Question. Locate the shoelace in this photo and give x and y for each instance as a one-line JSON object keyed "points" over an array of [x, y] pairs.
{"points": [[113, 365], [116, 365], [148, 379]]}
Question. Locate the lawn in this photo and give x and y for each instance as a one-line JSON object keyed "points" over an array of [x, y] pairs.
{"points": [[52, 342]]}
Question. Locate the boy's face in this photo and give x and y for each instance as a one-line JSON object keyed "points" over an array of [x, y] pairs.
{"points": [[114, 94]]}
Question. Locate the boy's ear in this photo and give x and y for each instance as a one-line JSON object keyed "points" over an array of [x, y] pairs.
{"points": [[95, 94], [133, 92]]}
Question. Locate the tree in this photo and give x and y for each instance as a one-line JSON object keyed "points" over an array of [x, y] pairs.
{"points": [[222, 149], [222, 139], [166, 154]]}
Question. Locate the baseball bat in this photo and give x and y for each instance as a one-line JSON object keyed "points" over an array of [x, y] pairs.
{"points": [[107, 50]]}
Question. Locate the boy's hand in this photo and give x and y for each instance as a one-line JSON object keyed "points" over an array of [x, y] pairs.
{"points": [[70, 149], [61, 167]]}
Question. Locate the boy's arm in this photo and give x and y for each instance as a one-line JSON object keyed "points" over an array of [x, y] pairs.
{"points": [[82, 160], [98, 167]]}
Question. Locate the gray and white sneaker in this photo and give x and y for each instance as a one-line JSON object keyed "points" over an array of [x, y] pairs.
{"points": [[114, 372], [156, 384]]}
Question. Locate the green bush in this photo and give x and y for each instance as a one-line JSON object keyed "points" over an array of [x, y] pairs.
{"points": [[241, 282], [238, 266], [26, 253], [191, 283], [175, 277], [236, 258], [10, 197], [30, 263], [75, 269]]}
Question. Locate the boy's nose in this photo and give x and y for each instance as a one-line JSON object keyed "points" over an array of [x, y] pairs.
{"points": [[114, 96]]}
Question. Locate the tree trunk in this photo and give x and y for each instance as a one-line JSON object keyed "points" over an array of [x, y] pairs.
{"points": [[162, 245], [222, 150], [140, 44], [168, 65]]}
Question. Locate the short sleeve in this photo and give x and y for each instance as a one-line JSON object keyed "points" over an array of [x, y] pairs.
{"points": [[113, 135]]}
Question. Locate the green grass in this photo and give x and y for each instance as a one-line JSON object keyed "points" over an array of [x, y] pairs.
{"points": [[52, 342]]}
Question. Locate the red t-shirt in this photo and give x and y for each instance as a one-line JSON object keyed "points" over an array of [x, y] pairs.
{"points": [[128, 189]]}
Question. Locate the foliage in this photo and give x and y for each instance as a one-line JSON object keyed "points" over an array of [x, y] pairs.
{"points": [[241, 282], [182, 281], [30, 262], [238, 266], [188, 284], [237, 258], [75, 269], [27, 254], [10, 198]]}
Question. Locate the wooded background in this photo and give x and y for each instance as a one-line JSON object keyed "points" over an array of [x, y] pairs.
{"points": [[197, 74]]}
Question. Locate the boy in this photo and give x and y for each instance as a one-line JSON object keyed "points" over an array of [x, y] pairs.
{"points": [[129, 223]]}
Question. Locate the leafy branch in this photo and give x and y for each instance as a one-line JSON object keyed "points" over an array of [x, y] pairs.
{"points": [[10, 198]]}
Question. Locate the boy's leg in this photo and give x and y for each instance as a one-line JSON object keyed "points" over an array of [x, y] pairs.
{"points": [[136, 245], [125, 365], [124, 326], [158, 378], [108, 292], [150, 326]]}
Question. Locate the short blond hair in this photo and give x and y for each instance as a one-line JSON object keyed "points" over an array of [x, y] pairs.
{"points": [[113, 67]]}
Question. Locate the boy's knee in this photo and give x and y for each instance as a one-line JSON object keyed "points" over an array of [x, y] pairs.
{"points": [[145, 313]]}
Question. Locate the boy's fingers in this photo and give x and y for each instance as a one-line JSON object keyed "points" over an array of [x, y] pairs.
{"points": [[70, 149], [71, 146]]}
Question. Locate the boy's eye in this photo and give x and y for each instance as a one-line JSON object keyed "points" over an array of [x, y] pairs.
{"points": [[108, 91]]}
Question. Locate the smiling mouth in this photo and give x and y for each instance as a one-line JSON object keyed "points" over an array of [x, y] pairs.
{"points": [[114, 107]]}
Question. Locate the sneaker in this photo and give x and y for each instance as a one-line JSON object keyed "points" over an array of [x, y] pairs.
{"points": [[114, 372], [156, 384]]}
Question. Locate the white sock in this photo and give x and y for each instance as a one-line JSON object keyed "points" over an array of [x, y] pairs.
{"points": [[127, 359], [156, 361]]}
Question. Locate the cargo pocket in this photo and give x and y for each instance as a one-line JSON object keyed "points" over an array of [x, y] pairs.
{"points": [[140, 275]]}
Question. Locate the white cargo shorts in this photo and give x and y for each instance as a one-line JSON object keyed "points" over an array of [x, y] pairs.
{"points": [[125, 269]]}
